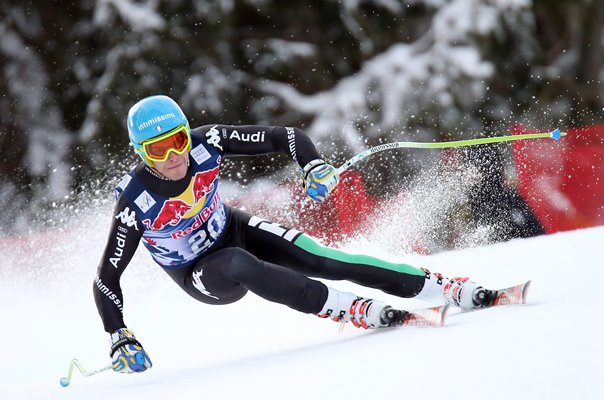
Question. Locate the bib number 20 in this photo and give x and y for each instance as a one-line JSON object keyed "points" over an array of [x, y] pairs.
{"points": [[204, 238]]}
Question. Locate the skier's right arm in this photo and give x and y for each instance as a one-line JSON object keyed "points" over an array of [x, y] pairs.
{"points": [[127, 354], [124, 235]]}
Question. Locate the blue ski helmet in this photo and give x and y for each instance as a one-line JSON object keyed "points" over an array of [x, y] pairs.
{"points": [[151, 117]]}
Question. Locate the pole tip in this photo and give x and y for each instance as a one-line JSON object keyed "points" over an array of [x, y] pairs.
{"points": [[556, 134], [64, 382]]}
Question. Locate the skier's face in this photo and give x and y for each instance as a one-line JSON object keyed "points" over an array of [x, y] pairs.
{"points": [[175, 167]]}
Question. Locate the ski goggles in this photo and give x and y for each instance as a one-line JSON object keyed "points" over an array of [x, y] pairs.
{"points": [[159, 148]]}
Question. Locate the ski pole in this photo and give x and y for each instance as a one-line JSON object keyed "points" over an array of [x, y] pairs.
{"points": [[556, 134], [65, 381]]}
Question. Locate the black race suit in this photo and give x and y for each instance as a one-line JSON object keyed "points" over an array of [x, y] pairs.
{"points": [[217, 253]]}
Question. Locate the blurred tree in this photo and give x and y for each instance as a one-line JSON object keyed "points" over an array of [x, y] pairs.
{"points": [[570, 35], [354, 73]]}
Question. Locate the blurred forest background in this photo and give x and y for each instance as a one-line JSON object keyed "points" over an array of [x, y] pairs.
{"points": [[352, 73]]}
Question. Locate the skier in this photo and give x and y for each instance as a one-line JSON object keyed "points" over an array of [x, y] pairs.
{"points": [[216, 253]]}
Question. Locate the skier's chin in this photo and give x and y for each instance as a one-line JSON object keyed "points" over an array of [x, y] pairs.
{"points": [[176, 172], [175, 168]]}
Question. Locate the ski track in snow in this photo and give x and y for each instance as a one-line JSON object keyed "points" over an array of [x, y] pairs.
{"points": [[550, 348]]}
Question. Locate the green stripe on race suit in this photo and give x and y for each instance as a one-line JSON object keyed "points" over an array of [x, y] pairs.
{"points": [[307, 243]]}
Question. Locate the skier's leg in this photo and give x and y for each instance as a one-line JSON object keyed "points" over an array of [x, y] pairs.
{"points": [[210, 291], [298, 251], [226, 275]]}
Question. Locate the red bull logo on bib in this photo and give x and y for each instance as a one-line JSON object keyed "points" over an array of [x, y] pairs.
{"points": [[187, 205]]}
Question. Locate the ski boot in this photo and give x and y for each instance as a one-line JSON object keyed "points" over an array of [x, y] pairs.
{"points": [[467, 295], [361, 312]]}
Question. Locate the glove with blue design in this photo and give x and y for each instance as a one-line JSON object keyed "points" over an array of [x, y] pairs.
{"points": [[319, 179], [127, 354]]}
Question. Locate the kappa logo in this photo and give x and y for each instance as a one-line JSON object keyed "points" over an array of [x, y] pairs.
{"points": [[196, 275], [127, 218], [213, 136]]}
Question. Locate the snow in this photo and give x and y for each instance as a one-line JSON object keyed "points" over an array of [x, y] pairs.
{"points": [[549, 349]]}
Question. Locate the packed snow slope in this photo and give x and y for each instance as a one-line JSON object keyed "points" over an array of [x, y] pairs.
{"points": [[551, 348]]}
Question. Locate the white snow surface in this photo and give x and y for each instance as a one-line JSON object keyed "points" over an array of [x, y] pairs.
{"points": [[551, 348]]}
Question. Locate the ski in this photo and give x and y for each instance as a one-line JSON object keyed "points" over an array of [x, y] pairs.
{"points": [[504, 297], [512, 295], [435, 316], [426, 317]]}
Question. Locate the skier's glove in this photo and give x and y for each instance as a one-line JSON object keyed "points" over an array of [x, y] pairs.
{"points": [[319, 179], [127, 354]]}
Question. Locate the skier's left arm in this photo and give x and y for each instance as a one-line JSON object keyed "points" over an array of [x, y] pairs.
{"points": [[319, 177]]}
